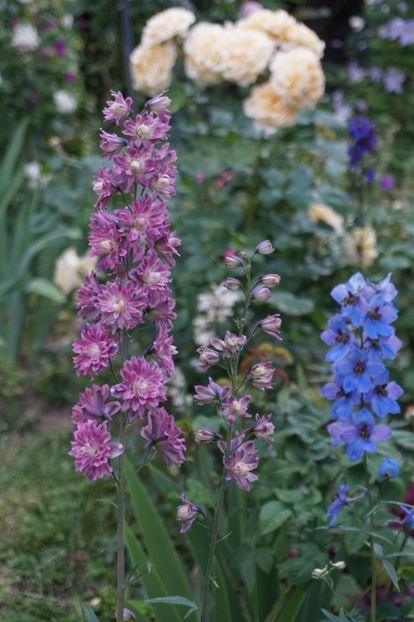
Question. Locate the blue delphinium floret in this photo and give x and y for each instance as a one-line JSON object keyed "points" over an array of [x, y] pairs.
{"points": [[389, 469], [338, 503], [361, 337]]}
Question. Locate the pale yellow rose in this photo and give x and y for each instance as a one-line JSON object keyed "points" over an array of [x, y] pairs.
{"points": [[245, 54], [151, 67], [360, 246], [70, 268], [166, 25], [273, 23], [268, 108], [318, 212], [203, 52], [298, 77], [299, 35]]}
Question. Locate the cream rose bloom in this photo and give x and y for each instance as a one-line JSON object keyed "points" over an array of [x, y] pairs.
{"points": [[318, 212], [360, 246], [268, 108], [245, 54], [202, 49], [273, 23], [70, 269], [166, 25], [298, 77], [151, 67], [299, 35]]}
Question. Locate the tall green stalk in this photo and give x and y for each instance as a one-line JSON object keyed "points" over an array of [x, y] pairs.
{"points": [[371, 544], [120, 565]]}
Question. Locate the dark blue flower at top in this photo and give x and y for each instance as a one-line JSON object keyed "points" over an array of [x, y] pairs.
{"points": [[389, 469], [360, 435], [363, 140]]}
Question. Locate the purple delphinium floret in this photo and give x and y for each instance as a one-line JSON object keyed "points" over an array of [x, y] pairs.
{"points": [[142, 386], [162, 433], [93, 402], [94, 349], [242, 460], [232, 408], [187, 512], [93, 448]]}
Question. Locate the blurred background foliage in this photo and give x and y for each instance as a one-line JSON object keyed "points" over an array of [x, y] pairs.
{"points": [[235, 188]]}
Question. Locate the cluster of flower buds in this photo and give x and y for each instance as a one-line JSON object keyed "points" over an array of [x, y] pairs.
{"points": [[361, 337], [237, 443], [135, 250]]}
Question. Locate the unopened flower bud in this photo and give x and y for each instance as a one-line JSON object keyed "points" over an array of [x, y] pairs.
{"points": [[208, 357], [318, 573], [260, 293], [270, 280], [231, 284], [264, 429], [160, 103], [338, 565], [204, 436], [232, 261], [271, 325], [264, 248]]}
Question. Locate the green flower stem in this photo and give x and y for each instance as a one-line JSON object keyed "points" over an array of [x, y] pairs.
{"points": [[120, 565], [371, 544]]}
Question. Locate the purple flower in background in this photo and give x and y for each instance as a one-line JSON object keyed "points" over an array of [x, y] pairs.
{"points": [[242, 460], [92, 449], [394, 80], [60, 48], [363, 140], [355, 72], [69, 76], [210, 394], [187, 513], [162, 433], [118, 108], [386, 183], [264, 429]]}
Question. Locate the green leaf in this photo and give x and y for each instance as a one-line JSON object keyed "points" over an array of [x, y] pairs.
{"points": [[89, 613], [153, 585], [174, 600], [44, 287], [290, 304], [156, 539], [390, 570], [272, 516], [287, 608]]}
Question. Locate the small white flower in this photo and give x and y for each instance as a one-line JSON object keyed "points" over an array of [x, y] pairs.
{"points": [[67, 21], [318, 573], [357, 23], [36, 179], [65, 102], [25, 38], [70, 269], [338, 565]]}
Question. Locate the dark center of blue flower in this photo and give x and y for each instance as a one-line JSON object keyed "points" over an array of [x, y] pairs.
{"points": [[359, 367], [342, 337], [381, 390], [351, 299], [364, 431], [374, 314]]}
